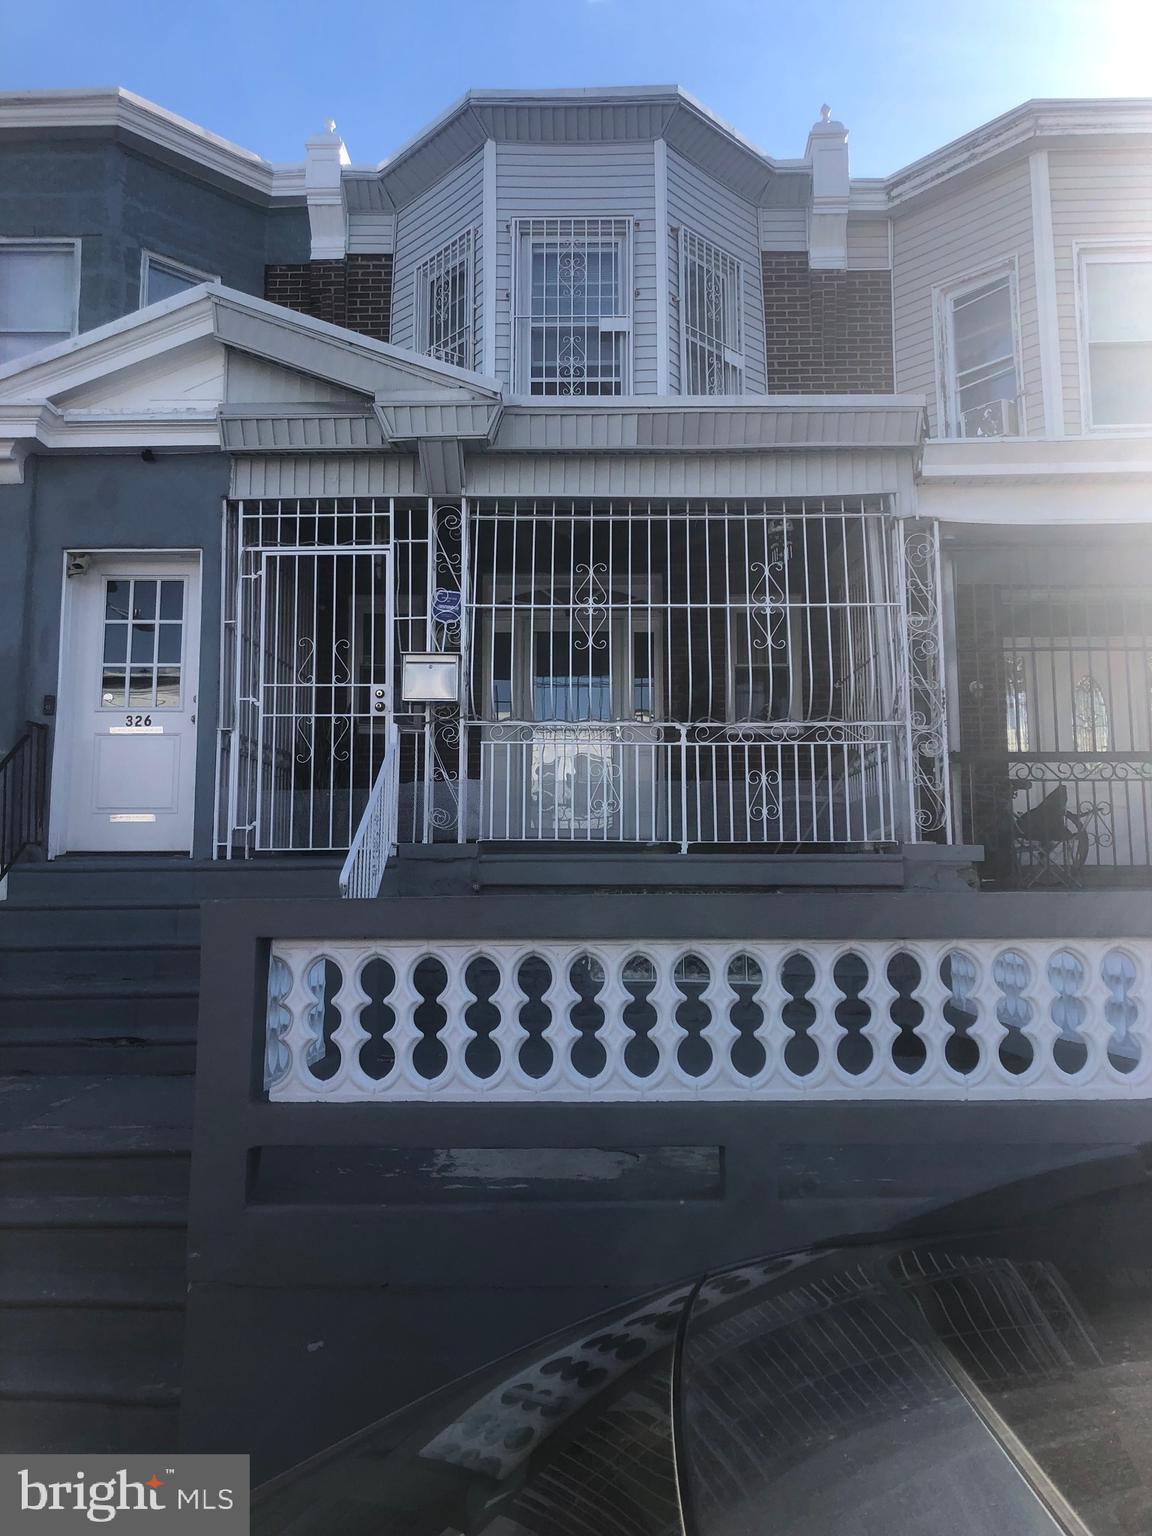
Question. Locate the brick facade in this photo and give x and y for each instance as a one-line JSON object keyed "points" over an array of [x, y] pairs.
{"points": [[355, 292], [826, 332]]}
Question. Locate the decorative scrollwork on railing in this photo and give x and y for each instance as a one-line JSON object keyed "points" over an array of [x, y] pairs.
{"points": [[764, 798], [590, 599], [927, 705]]}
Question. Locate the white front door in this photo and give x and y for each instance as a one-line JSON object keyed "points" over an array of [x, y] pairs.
{"points": [[128, 705]]}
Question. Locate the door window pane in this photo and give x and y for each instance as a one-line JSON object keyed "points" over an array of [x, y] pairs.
{"points": [[570, 682], [153, 650]]}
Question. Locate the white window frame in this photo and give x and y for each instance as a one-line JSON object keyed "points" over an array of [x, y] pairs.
{"points": [[944, 297], [150, 259], [598, 227], [460, 252], [1085, 252], [50, 243], [728, 351]]}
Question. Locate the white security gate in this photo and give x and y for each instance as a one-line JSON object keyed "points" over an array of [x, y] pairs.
{"points": [[309, 646]]}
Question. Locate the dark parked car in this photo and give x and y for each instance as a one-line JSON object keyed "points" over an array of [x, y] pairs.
{"points": [[983, 1372]]}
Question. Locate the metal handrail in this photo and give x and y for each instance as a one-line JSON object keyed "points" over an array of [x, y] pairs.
{"points": [[23, 794], [375, 840]]}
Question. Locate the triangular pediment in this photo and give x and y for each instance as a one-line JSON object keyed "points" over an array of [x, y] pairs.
{"points": [[214, 346]]}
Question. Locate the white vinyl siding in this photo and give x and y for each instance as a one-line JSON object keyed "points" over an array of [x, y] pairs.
{"points": [[425, 227], [949, 239], [701, 204], [784, 229], [1097, 195], [868, 245], [39, 294], [606, 181]]}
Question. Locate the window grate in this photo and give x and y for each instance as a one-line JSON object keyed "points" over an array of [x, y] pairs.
{"points": [[446, 303], [573, 306], [712, 318]]}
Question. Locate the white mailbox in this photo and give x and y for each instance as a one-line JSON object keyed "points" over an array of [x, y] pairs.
{"points": [[430, 678]]}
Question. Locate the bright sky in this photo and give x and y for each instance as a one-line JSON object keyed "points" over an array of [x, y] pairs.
{"points": [[905, 76]]}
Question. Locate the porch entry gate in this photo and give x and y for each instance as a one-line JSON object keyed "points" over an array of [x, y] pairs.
{"points": [[308, 668]]}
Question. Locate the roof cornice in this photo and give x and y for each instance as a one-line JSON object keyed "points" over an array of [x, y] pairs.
{"points": [[115, 111]]}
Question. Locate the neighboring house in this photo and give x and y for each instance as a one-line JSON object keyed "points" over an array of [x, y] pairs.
{"points": [[734, 573]]}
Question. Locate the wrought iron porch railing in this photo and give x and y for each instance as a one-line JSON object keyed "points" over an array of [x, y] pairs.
{"points": [[933, 1019], [375, 839], [1068, 820], [23, 795]]}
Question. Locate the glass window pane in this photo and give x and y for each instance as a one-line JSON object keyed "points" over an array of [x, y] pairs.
{"points": [[143, 642], [112, 687], [168, 687], [171, 599], [140, 688], [37, 290], [115, 642], [982, 326], [23, 343], [1121, 380], [163, 282], [1119, 300], [116, 595], [169, 647], [144, 600]]}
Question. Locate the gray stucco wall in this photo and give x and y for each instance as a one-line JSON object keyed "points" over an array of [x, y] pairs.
{"points": [[119, 204], [109, 502]]}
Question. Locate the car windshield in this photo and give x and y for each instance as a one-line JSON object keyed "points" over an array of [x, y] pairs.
{"points": [[997, 1384]]}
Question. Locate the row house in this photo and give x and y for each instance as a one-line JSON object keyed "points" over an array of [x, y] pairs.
{"points": [[644, 648]]}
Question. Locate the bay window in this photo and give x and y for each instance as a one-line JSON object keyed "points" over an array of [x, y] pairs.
{"points": [[711, 318], [445, 303]]}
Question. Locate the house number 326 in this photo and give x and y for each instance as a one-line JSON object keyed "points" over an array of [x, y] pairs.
{"points": [[137, 719]]}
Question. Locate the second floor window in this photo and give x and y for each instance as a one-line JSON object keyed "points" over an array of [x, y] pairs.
{"points": [[445, 303], [981, 386], [573, 315], [161, 278], [711, 319], [1116, 306], [38, 295]]}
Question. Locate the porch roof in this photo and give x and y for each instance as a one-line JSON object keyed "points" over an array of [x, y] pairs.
{"points": [[214, 368]]}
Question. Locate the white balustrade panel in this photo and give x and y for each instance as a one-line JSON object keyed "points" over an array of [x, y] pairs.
{"points": [[934, 1019]]}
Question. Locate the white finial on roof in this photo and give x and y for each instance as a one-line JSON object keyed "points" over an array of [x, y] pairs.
{"points": [[825, 113]]}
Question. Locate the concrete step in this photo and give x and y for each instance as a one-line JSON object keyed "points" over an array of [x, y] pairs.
{"points": [[106, 1212], [140, 1110], [100, 1256], [123, 1054], [100, 971], [110, 1013], [82, 1428], [25, 1285], [134, 1336], [130, 1174], [148, 1379], [64, 927], [162, 881]]}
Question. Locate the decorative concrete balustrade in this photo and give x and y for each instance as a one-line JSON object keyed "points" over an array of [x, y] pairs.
{"points": [[930, 1019]]}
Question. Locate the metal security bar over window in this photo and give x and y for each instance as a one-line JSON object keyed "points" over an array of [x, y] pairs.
{"points": [[711, 318], [1054, 655], [572, 314], [446, 303], [730, 672]]}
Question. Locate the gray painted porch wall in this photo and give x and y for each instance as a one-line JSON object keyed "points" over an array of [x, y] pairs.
{"points": [[120, 204], [117, 502]]}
